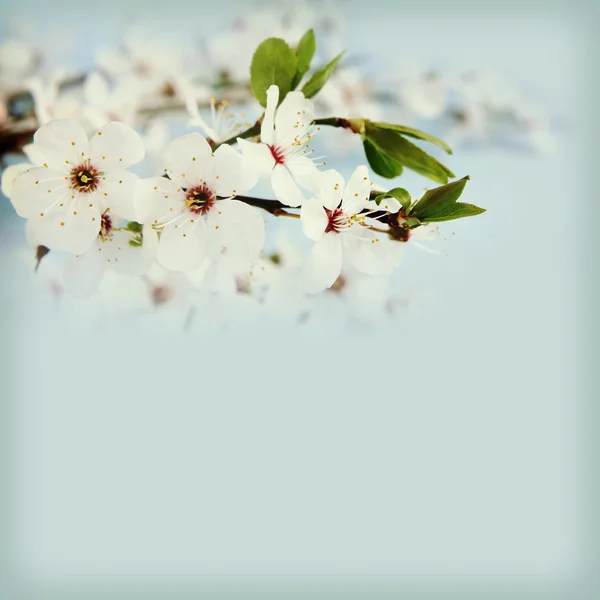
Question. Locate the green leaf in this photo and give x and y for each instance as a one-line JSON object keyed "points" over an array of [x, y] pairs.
{"points": [[305, 51], [134, 226], [456, 211], [439, 199], [381, 163], [314, 85], [399, 194], [398, 148], [273, 63], [416, 133]]}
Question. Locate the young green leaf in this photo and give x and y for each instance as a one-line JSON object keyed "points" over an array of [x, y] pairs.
{"points": [[439, 199], [416, 133], [399, 194], [456, 211], [381, 163], [395, 146], [273, 63], [314, 85], [134, 226], [305, 51]]}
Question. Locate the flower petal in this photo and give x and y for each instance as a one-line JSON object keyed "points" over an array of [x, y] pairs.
{"points": [[84, 272], [236, 226], [116, 146], [357, 191], [69, 229], [35, 191], [366, 252], [286, 190], [60, 141], [117, 192], [266, 130], [157, 200], [259, 155], [323, 265], [314, 219], [183, 248], [330, 187], [231, 172], [124, 258], [190, 161], [10, 174], [293, 118]]}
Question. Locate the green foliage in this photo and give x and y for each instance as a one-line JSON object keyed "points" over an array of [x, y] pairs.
{"points": [[305, 51], [134, 226], [392, 144], [416, 133], [457, 211], [438, 199], [440, 204], [314, 85], [273, 63], [381, 163], [399, 194]]}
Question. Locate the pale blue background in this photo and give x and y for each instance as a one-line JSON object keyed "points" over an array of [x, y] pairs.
{"points": [[446, 451]]}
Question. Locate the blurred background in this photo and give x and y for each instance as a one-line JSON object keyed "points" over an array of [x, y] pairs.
{"points": [[443, 451]]}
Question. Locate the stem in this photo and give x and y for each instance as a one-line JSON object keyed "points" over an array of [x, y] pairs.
{"points": [[250, 132]]}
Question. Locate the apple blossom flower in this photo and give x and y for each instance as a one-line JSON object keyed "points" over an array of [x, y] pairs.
{"points": [[224, 125], [282, 150], [195, 210], [334, 221], [79, 181], [117, 248]]}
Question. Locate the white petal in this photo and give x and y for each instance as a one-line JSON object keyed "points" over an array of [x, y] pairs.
{"points": [[236, 226], [189, 159], [314, 219], [259, 155], [364, 250], [34, 154], [266, 130], [323, 265], [286, 190], [83, 273], [294, 116], [117, 191], [331, 186], [157, 200], [183, 248], [10, 174], [124, 258], [231, 174], [36, 190], [61, 141], [69, 229], [357, 191], [116, 146], [305, 172]]}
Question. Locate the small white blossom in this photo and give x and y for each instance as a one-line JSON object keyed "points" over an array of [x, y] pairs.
{"points": [[195, 210], [282, 151], [79, 181], [334, 221]]}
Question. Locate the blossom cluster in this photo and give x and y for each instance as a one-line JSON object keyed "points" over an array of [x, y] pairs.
{"points": [[119, 199]]}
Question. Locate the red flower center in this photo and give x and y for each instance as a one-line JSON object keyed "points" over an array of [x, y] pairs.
{"points": [[199, 199], [106, 226], [85, 177], [278, 154], [337, 220]]}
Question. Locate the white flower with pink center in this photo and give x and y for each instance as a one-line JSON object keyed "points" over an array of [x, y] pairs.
{"points": [[79, 181], [339, 223], [195, 211], [282, 152], [116, 248]]}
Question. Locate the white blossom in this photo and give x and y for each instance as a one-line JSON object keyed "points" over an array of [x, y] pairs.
{"points": [[78, 182], [195, 210]]}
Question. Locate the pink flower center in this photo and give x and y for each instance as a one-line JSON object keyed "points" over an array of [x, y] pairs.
{"points": [[199, 199], [106, 226], [278, 154], [337, 220], [85, 177]]}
